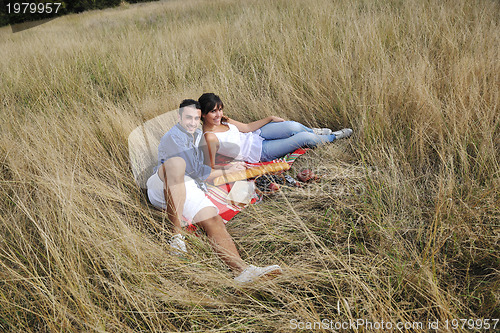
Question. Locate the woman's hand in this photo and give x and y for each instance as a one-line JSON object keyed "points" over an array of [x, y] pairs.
{"points": [[235, 166], [225, 170], [276, 119]]}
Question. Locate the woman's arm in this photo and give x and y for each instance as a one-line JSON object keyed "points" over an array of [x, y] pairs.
{"points": [[212, 147], [253, 126], [210, 150], [225, 171]]}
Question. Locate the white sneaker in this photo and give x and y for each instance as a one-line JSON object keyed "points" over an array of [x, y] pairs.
{"points": [[322, 131], [252, 273], [178, 244], [343, 133]]}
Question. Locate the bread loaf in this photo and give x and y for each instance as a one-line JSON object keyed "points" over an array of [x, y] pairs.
{"points": [[251, 172]]}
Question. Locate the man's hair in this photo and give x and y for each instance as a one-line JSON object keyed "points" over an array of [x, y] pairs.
{"points": [[188, 102]]}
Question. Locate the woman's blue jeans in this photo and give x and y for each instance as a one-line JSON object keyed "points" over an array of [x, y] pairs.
{"points": [[281, 138]]}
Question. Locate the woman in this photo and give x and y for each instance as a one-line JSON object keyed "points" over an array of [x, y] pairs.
{"points": [[260, 141]]}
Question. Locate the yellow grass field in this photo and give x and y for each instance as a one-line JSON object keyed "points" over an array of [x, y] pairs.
{"points": [[404, 228]]}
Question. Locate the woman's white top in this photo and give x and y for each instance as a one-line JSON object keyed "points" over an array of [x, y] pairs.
{"points": [[238, 145]]}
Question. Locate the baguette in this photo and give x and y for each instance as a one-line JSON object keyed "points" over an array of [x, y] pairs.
{"points": [[251, 172]]}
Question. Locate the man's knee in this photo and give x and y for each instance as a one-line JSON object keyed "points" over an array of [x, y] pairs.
{"points": [[173, 169], [209, 219], [208, 213]]}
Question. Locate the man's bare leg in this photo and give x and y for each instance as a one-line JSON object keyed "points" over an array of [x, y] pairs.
{"points": [[171, 173], [221, 241]]}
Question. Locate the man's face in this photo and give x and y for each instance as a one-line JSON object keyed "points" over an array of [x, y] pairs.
{"points": [[190, 118]]}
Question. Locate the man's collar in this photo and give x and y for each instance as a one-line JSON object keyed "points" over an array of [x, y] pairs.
{"points": [[183, 130]]}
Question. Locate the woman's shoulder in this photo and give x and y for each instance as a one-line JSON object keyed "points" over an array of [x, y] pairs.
{"points": [[223, 127], [231, 126], [210, 137]]}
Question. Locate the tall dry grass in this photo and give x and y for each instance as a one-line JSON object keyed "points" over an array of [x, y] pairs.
{"points": [[403, 228]]}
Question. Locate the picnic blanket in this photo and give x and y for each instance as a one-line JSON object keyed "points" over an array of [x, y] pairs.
{"points": [[218, 194]]}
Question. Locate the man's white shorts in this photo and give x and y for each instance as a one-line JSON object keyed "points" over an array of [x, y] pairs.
{"points": [[195, 198]]}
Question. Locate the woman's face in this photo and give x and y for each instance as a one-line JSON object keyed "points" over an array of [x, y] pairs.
{"points": [[214, 116]]}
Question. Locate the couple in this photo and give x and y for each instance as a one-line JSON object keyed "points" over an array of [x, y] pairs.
{"points": [[177, 184]]}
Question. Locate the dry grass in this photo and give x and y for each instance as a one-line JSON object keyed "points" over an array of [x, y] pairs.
{"points": [[404, 226]]}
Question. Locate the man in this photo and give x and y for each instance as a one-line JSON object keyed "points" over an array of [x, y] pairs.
{"points": [[177, 186]]}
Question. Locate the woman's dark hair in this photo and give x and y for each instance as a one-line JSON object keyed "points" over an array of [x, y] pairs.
{"points": [[208, 101]]}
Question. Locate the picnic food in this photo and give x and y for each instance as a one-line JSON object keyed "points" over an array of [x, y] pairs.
{"points": [[307, 176], [252, 172]]}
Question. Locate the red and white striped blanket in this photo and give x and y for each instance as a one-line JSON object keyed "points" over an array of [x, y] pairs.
{"points": [[218, 194]]}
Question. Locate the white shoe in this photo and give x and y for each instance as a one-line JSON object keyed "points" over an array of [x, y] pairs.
{"points": [[252, 273], [177, 243], [322, 131], [343, 133]]}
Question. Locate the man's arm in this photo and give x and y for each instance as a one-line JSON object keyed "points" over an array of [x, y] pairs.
{"points": [[177, 143]]}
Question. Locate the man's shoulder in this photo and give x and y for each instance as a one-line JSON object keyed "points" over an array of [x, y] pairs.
{"points": [[171, 141], [198, 132], [174, 132]]}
